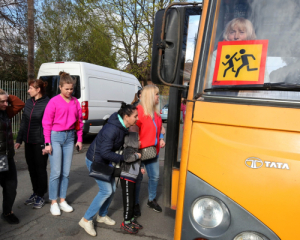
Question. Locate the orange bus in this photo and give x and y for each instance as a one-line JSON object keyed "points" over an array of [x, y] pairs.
{"points": [[238, 177]]}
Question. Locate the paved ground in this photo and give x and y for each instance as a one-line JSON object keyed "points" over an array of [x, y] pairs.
{"points": [[40, 224]]}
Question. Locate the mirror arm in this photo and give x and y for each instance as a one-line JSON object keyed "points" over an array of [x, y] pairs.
{"points": [[163, 44]]}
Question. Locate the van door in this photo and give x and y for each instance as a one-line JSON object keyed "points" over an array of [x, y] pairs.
{"points": [[100, 91]]}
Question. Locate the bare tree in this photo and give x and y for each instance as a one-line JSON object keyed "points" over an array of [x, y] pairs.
{"points": [[13, 26], [131, 24]]}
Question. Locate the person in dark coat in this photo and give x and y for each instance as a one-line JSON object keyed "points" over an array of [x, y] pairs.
{"points": [[31, 132], [102, 150], [8, 179]]}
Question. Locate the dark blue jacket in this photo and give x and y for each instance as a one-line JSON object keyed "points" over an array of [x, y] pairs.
{"points": [[108, 140]]}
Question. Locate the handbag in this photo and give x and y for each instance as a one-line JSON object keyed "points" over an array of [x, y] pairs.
{"points": [[3, 159], [148, 153], [3, 163], [77, 125], [101, 171]]}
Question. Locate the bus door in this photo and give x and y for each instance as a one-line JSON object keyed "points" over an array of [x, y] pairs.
{"points": [[178, 49], [240, 154]]}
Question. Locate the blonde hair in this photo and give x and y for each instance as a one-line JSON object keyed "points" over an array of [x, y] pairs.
{"points": [[148, 100], [2, 92], [241, 23]]}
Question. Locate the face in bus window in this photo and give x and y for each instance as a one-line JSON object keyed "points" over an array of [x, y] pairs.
{"points": [[239, 29], [237, 34]]}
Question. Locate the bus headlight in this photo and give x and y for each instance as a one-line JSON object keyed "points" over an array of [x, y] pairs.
{"points": [[249, 236], [207, 212]]}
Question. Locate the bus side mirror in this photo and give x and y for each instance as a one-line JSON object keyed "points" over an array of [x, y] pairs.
{"points": [[170, 46]]}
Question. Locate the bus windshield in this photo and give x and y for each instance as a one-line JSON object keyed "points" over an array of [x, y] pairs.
{"points": [[254, 50]]}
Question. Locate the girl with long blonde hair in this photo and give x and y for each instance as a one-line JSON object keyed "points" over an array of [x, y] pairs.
{"points": [[150, 127]]}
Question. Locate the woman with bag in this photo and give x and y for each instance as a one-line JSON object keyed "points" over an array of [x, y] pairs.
{"points": [[152, 140], [101, 154], [31, 132], [8, 177], [61, 115]]}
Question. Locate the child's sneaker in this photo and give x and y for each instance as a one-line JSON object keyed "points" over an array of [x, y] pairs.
{"points": [[31, 199], [129, 227], [136, 224]]}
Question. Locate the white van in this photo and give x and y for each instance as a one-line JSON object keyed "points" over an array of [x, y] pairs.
{"points": [[98, 89]]}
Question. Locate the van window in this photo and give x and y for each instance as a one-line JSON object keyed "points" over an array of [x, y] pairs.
{"points": [[102, 89], [53, 89]]}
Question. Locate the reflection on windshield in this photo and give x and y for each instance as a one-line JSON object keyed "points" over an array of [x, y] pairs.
{"points": [[248, 22], [189, 48]]}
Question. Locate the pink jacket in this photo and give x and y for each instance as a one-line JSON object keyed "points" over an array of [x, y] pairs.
{"points": [[62, 116]]}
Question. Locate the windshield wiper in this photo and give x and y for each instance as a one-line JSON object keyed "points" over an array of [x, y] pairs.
{"points": [[267, 86]]}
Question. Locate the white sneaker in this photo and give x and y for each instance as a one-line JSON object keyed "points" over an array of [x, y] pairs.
{"points": [[106, 219], [54, 209], [88, 227], [65, 207]]}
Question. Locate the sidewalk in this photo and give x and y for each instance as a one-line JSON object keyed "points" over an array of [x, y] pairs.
{"points": [[40, 224]]}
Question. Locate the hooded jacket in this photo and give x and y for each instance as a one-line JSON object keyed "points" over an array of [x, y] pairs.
{"points": [[132, 165], [108, 140]]}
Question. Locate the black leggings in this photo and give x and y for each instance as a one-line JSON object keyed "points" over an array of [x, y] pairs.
{"points": [[37, 167], [9, 182], [128, 193]]}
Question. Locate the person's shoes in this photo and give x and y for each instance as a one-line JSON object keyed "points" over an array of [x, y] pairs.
{"points": [[106, 219], [10, 218], [54, 209], [65, 207], [129, 227], [39, 202], [31, 199], [136, 224], [154, 205], [137, 210], [88, 227]]}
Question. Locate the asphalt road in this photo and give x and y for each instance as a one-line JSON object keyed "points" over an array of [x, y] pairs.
{"points": [[40, 224]]}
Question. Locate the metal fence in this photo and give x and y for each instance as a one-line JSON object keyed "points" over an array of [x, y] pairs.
{"points": [[18, 89]]}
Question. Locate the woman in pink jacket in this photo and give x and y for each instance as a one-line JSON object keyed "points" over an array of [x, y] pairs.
{"points": [[60, 117]]}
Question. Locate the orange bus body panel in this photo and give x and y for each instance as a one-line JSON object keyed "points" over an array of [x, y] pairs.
{"points": [[225, 135]]}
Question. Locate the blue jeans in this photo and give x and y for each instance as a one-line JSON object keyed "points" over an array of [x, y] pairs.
{"points": [[60, 163], [152, 167], [103, 198]]}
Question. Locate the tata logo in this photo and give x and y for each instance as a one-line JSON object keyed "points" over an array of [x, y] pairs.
{"points": [[255, 163]]}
